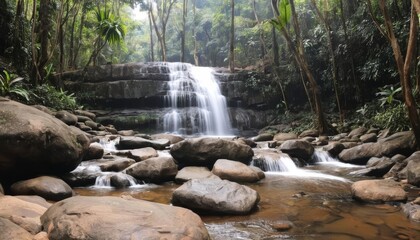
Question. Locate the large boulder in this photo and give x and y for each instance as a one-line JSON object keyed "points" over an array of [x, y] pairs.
{"points": [[215, 196], [398, 143], [284, 136], [206, 151], [334, 148], [33, 142], [297, 148], [234, 171], [23, 213], [156, 170], [10, 230], [412, 211], [263, 137], [66, 117], [413, 169], [188, 173], [47, 187], [95, 151], [120, 218], [132, 142], [139, 154], [116, 164], [171, 137], [378, 168], [357, 132], [378, 191]]}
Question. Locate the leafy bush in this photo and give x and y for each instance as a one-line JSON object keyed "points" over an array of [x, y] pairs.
{"points": [[49, 96], [395, 118], [12, 88]]}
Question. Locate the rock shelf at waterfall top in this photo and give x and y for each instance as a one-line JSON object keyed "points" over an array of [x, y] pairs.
{"points": [[221, 185]]}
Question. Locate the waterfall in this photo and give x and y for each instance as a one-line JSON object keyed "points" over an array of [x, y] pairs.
{"points": [[197, 105], [273, 161], [322, 157]]}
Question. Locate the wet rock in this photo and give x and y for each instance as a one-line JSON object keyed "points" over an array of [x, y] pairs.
{"points": [[116, 165], [49, 188], [156, 170], [245, 141], [412, 211], [80, 178], [88, 114], [126, 133], [357, 132], [413, 169], [400, 164], [171, 137], [139, 154], [370, 137], [139, 142], [258, 171], [376, 167], [281, 225], [309, 133], [23, 213], [234, 171], [33, 142], [66, 117], [273, 160], [95, 151], [10, 230], [334, 148], [215, 196], [284, 136], [120, 218], [93, 125], [206, 151], [298, 149], [263, 137], [122, 180], [378, 191], [188, 173], [398, 143]]}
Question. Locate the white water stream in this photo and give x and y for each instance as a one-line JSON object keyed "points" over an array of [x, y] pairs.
{"points": [[196, 103]]}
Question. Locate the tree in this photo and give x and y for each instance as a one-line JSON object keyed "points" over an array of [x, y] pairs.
{"points": [[403, 63], [285, 10], [232, 37], [109, 30], [163, 9], [184, 15]]}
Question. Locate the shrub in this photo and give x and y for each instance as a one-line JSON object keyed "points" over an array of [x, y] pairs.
{"points": [[49, 96], [12, 88]]}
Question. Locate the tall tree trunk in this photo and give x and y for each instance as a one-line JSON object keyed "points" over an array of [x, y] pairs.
{"points": [[152, 47], [261, 30], [184, 15], [324, 20], [195, 34], [45, 26], [232, 37], [403, 65], [71, 63]]}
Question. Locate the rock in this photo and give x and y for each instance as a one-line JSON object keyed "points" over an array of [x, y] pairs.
{"points": [[111, 129], [357, 132], [139, 154], [413, 169], [384, 133], [34, 199], [334, 148], [118, 218], [298, 149], [44, 109], [93, 125], [9, 230], [370, 137], [49, 188], [412, 211], [245, 141], [66, 117], [33, 142], [308, 139], [116, 165], [206, 151], [82, 178], [339, 137], [348, 145], [215, 196], [171, 137], [95, 151], [309, 133], [41, 236], [400, 164], [260, 173], [23, 213], [273, 160], [138, 142], [1, 190], [377, 168], [86, 114], [82, 119], [378, 191], [263, 137], [281, 225], [122, 180], [83, 127], [156, 170], [234, 171], [284, 136], [188, 173], [126, 133]]}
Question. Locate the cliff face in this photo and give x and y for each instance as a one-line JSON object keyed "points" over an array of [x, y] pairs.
{"points": [[143, 87]]}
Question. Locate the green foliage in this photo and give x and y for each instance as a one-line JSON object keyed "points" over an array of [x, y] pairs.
{"points": [[387, 95], [9, 87], [394, 118], [49, 96], [109, 28]]}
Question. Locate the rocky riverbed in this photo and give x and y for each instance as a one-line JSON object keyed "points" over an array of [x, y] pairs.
{"points": [[64, 176]]}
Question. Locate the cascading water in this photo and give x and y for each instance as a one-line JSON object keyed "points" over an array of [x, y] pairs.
{"points": [[197, 105]]}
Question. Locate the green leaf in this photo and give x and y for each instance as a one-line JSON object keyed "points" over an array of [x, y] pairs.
{"points": [[285, 12]]}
